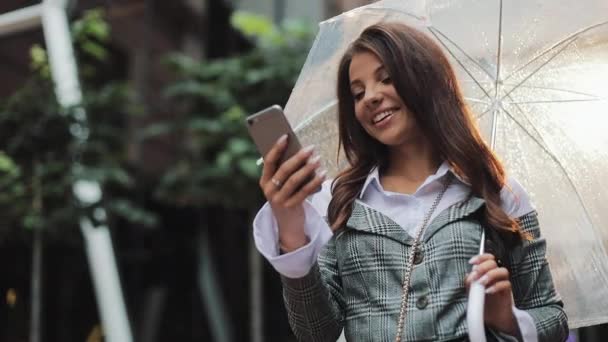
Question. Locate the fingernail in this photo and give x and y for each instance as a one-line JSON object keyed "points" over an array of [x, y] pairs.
{"points": [[282, 139], [322, 174], [475, 268], [473, 276], [310, 148], [314, 159], [490, 290], [473, 260], [484, 280]]}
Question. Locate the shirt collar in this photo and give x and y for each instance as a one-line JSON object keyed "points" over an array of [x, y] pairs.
{"points": [[374, 178]]}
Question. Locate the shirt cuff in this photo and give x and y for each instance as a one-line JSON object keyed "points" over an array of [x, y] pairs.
{"points": [[526, 325], [295, 264]]}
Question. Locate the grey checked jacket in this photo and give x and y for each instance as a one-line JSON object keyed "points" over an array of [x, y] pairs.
{"points": [[356, 283]]}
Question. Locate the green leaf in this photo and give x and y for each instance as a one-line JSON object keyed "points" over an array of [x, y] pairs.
{"points": [[132, 213], [156, 130], [33, 221], [39, 62], [182, 63], [252, 25], [7, 165], [235, 114], [98, 28], [38, 56], [224, 159], [205, 125], [96, 50], [249, 167], [91, 25], [218, 96], [238, 146]]}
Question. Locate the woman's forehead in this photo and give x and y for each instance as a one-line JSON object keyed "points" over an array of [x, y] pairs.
{"points": [[364, 64]]}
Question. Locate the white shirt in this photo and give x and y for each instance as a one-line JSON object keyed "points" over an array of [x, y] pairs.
{"points": [[405, 210]]}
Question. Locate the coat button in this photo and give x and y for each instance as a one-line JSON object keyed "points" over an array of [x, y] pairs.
{"points": [[422, 302], [418, 257]]}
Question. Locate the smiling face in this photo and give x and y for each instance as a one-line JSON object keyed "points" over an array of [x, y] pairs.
{"points": [[378, 107]]}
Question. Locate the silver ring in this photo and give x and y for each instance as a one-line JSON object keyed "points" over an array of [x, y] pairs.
{"points": [[276, 182]]}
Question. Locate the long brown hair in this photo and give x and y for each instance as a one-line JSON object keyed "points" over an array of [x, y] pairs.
{"points": [[427, 85]]}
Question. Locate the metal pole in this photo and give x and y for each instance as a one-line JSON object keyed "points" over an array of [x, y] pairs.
{"points": [[278, 11], [37, 267], [99, 249], [20, 20], [37, 297], [211, 292], [497, 82], [51, 14], [256, 292]]}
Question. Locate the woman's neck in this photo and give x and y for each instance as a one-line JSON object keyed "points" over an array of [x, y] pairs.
{"points": [[409, 166]]}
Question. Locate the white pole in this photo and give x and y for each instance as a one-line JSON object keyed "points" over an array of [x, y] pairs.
{"points": [[99, 249], [20, 20], [107, 283], [61, 54], [51, 14]]}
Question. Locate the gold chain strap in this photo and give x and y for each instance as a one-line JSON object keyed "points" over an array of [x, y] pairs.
{"points": [[409, 267]]}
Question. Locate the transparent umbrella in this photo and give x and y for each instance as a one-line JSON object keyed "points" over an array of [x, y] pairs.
{"points": [[534, 73]]}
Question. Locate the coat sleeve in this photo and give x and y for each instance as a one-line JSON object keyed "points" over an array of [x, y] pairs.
{"points": [[315, 303], [532, 284]]}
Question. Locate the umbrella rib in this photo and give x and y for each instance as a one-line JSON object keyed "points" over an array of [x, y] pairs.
{"points": [[484, 113], [554, 101], [372, 9], [470, 99], [570, 37], [552, 88], [563, 90], [432, 29], [537, 69], [309, 119], [554, 158], [498, 52], [541, 143]]}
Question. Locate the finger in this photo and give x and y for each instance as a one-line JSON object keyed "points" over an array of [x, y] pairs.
{"points": [[298, 178], [306, 190], [494, 276], [292, 164], [480, 269], [499, 287], [477, 259], [271, 159]]}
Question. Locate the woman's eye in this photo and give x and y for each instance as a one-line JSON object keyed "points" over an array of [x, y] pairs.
{"points": [[358, 96], [387, 80]]}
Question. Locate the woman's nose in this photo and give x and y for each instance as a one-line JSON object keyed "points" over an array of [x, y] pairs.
{"points": [[373, 98]]}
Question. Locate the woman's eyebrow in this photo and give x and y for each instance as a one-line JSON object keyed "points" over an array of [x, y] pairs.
{"points": [[355, 82], [378, 70]]}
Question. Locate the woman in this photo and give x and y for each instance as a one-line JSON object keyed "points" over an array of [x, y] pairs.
{"points": [[383, 250]]}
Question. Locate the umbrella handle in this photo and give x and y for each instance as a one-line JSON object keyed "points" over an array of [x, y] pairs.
{"points": [[477, 296]]}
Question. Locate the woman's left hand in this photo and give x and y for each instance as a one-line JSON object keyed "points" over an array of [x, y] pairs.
{"points": [[498, 313]]}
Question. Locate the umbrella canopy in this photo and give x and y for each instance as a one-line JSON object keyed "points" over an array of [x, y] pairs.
{"points": [[534, 74]]}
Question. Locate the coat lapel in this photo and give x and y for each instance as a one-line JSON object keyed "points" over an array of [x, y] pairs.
{"points": [[366, 219], [455, 212]]}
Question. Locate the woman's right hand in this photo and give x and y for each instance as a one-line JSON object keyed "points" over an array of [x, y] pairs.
{"points": [[286, 186]]}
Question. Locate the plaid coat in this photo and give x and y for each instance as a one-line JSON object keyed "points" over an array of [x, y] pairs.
{"points": [[356, 283]]}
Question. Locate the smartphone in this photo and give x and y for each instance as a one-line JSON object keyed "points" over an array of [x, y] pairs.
{"points": [[267, 126]]}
